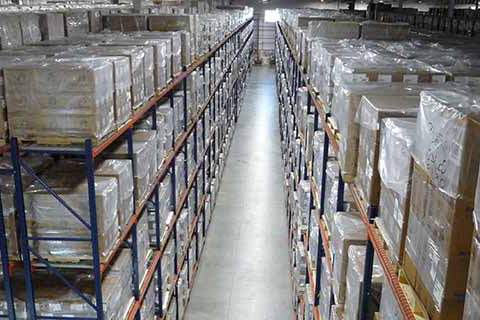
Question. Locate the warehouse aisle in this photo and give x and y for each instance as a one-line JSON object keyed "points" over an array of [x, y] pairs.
{"points": [[244, 271]]}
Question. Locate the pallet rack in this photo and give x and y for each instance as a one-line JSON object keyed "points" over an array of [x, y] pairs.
{"points": [[375, 245], [240, 40]]}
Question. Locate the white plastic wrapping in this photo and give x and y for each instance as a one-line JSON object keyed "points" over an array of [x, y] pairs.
{"points": [[10, 32], [144, 159], [397, 138], [371, 111], [52, 26], [76, 23], [447, 130], [46, 216], [121, 170], [348, 230], [334, 30], [325, 290], [126, 22], [30, 27], [136, 58], [354, 284], [68, 101], [374, 30]]}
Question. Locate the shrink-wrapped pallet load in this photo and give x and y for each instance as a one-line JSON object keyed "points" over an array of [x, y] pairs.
{"points": [[121, 170], [76, 23], [30, 27], [121, 79], [46, 215], [148, 309], [371, 111], [144, 159], [60, 102], [348, 230], [126, 22], [155, 71], [143, 245], [440, 225], [472, 296], [167, 59], [325, 289], [10, 32], [95, 21], [374, 30], [346, 99], [395, 168], [52, 26], [136, 57], [148, 67], [334, 30], [54, 299], [354, 284]]}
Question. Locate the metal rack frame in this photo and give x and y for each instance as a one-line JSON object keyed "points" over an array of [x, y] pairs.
{"points": [[128, 237], [367, 213]]}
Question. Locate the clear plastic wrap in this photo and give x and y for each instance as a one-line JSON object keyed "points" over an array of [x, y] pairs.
{"points": [[304, 200], [159, 57], [175, 47], [325, 290], [144, 159], [52, 26], [313, 238], [438, 244], [121, 80], [397, 138], [65, 101], [334, 30], [121, 170], [54, 299], [346, 100], [374, 30], [10, 32], [76, 23], [46, 216], [348, 229], [164, 57], [372, 109], [354, 284], [448, 128], [136, 57], [370, 66], [30, 27], [148, 309], [126, 22], [337, 312], [143, 245]]}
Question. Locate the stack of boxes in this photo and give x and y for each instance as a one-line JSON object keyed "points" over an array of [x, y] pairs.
{"points": [[405, 119]]}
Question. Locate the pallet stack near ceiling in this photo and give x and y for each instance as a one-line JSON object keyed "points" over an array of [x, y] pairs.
{"points": [[348, 262], [112, 226]]}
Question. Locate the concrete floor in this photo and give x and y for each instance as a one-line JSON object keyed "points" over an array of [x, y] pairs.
{"points": [[244, 271]]}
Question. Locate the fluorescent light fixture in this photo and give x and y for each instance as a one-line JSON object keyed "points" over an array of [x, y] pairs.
{"points": [[271, 16]]}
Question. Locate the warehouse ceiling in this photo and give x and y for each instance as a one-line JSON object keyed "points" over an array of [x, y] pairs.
{"points": [[269, 4]]}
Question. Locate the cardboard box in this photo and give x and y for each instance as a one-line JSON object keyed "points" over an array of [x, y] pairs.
{"points": [[10, 32], [371, 111], [354, 284], [438, 247], [348, 230], [81, 90], [325, 290], [30, 27], [76, 23], [395, 167], [334, 30], [126, 22], [447, 131], [52, 26], [373, 30]]}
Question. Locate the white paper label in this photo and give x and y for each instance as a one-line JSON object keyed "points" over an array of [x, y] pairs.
{"points": [[385, 78], [410, 78]]}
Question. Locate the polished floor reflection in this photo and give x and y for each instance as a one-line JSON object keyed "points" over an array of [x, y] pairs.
{"points": [[244, 271]]}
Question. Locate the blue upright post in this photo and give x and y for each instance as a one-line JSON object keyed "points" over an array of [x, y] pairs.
{"points": [[368, 273], [326, 145], [25, 249], [7, 285], [94, 228], [340, 193]]}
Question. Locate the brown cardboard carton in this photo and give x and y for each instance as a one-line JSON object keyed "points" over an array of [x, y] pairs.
{"points": [[438, 247], [372, 110]]}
